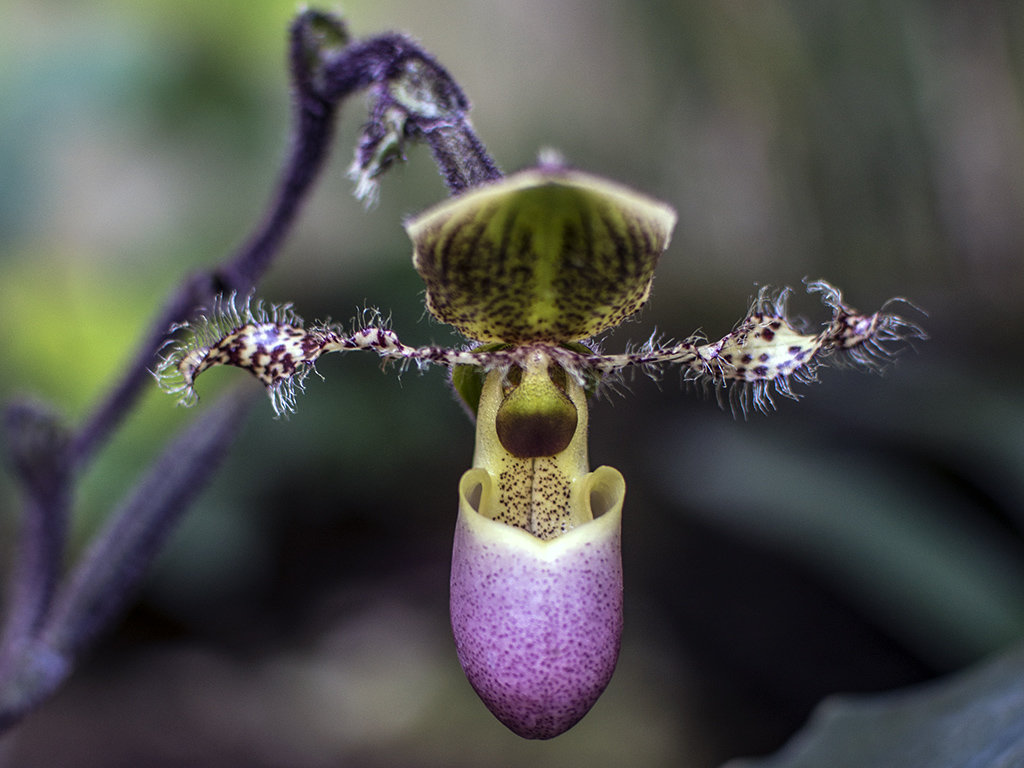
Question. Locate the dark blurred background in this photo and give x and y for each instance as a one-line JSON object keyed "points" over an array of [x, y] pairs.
{"points": [[864, 539]]}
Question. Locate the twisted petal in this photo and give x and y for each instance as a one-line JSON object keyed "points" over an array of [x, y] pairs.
{"points": [[537, 623]]}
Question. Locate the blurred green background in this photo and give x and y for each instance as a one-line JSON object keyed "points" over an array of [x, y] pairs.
{"points": [[864, 539]]}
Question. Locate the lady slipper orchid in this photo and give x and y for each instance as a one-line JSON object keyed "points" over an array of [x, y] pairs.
{"points": [[530, 267], [536, 585]]}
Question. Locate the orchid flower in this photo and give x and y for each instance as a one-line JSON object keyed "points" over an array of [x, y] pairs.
{"points": [[530, 269]]}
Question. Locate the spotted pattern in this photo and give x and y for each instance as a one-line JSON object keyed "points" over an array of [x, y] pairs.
{"points": [[765, 354], [271, 344], [534, 495], [762, 348], [541, 256], [537, 625], [762, 357], [270, 352]]}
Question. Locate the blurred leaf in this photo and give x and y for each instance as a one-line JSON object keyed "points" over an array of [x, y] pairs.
{"points": [[971, 719], [934, 571]]}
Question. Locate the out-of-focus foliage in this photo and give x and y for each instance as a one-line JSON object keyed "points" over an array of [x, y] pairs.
{"points": [[972, 719], [299, 619]]}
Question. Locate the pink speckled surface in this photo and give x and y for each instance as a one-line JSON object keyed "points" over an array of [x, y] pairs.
{"points": [[537, 624]]}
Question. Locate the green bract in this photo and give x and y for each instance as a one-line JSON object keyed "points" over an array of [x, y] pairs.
{"points": [[547, 254]]}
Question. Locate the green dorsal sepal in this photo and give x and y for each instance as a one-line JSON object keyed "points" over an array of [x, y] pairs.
{"points": [[546, 255]]}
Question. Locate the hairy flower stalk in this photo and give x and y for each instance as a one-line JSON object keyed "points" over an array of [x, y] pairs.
{"points": [[530, 267]]}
